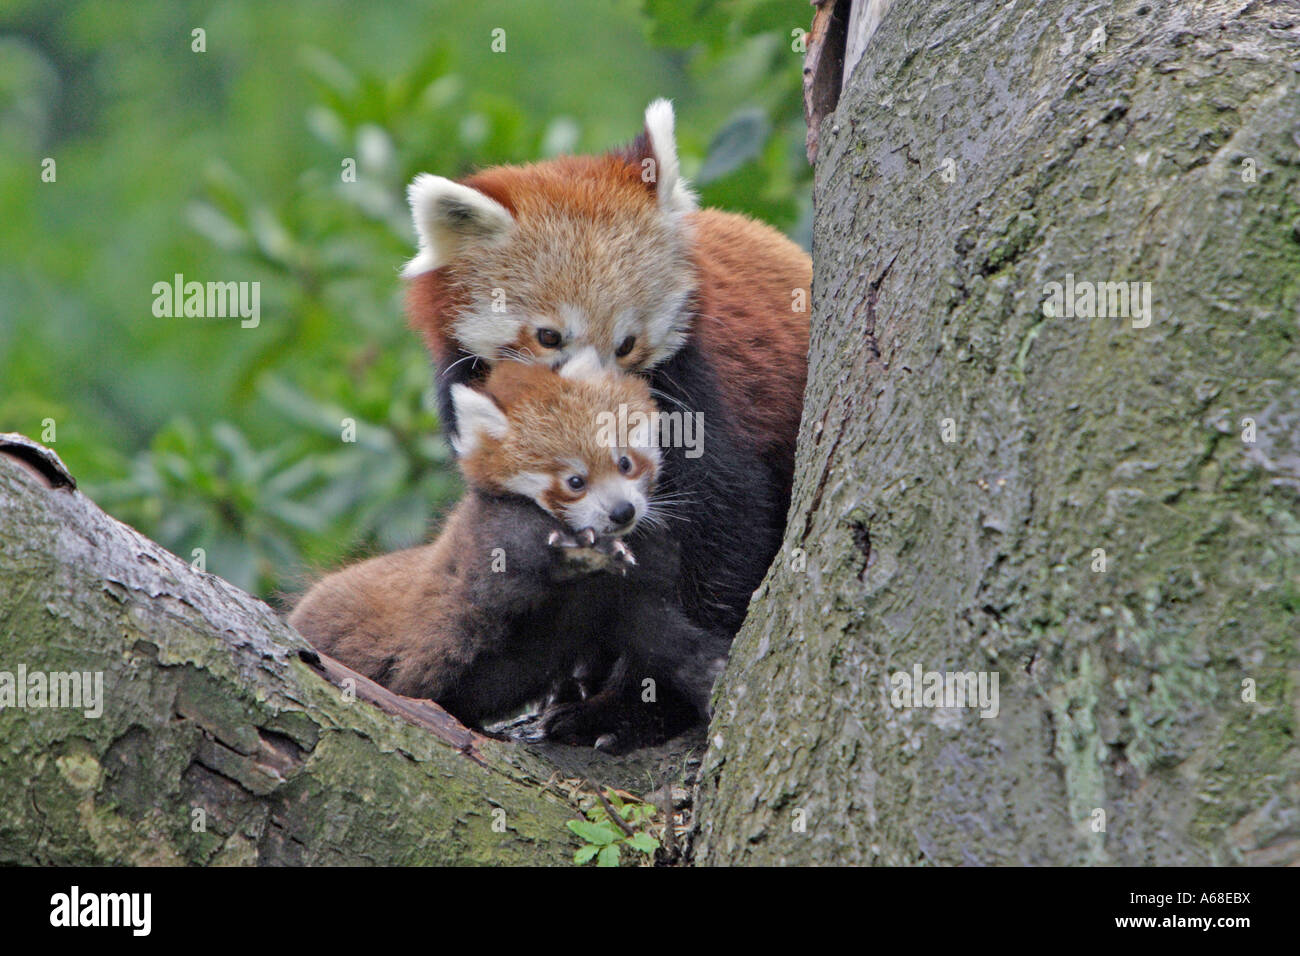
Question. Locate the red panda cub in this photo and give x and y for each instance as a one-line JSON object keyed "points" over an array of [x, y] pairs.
{"points": [[608, 256], [530, 576]]}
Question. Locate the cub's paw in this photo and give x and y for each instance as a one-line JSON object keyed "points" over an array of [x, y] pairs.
{"points": [[584, 724], [586, 553]]}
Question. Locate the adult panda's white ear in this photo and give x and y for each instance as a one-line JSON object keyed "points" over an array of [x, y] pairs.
{"points": [[673, 192], [477, 416], [447, 216]]}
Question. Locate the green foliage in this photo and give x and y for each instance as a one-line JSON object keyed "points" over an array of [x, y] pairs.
{"points": [[229, 165], [603, 839], [745, 59]]}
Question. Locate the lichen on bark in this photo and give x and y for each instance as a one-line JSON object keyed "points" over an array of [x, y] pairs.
{"points": [[218, 743]]}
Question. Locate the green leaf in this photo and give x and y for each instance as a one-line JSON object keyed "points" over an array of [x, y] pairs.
{"points": [[331, 73], [585, 853], [598, 834], [608, 856], [643, 842], [215, 226]]}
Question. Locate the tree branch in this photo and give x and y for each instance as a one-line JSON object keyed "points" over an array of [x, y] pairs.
{"points": [[223, 737]]}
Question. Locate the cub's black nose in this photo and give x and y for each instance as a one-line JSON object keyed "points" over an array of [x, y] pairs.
{"points": [[622, 513]]}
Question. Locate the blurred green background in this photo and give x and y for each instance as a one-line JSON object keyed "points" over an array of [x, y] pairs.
{"points": [[226, 165]]}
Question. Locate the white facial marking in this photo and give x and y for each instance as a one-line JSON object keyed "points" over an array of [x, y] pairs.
{"points": [[583, 365], [484, 333], [626, 324], [602, 497], [573, 466], [573, 323], [530, 484], [666, 329]]}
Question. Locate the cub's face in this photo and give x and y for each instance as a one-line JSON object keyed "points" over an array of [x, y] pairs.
{"points": [[574, 256], [581, 443]]}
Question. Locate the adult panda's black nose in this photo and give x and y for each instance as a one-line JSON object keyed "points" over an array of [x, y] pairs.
{"points": [[622, 513]]}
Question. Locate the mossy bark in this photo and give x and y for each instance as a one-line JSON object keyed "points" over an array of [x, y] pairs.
{"points": [[218, 743], [1148, 711]]}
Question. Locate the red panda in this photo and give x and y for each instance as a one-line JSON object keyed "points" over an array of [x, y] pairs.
{"points": [[530, 576], [537, 434], [609, 256]]}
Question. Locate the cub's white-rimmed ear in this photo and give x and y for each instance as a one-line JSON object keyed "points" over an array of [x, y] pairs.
{"points": [[674, 193], [447, 215], [476, 415], [583, 366]]}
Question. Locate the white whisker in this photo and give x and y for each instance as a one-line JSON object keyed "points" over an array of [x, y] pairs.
{"points": [[447, 370], [673, 399], [524, 356]]}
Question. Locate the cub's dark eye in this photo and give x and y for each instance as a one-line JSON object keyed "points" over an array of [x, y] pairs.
{"points": [[548, 338], [577, 482], [625, 465], [626, 346]]}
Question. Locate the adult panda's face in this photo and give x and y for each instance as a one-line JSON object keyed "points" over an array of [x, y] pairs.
{"points": [[575, 256]]}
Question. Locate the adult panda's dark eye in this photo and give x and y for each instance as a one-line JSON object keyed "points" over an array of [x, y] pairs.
{"points": [[625, 465], [548, 338], [577, 482], [626, 346]]}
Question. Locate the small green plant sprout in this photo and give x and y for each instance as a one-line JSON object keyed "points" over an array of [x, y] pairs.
{"points": [[613, 823]]}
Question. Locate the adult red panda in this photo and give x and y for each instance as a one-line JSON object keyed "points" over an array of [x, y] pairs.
{"points": [[609, 256], [529, 578]]}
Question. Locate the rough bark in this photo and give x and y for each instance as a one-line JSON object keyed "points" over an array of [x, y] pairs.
{"points": [[212, 704], [1121, 153]]}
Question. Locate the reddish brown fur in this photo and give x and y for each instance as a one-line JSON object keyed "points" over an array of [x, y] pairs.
{"points": [[553, 418], [599, 188], [414, 620], [746, 324], [432, 300], [447, 621], [746, 277], [390, 617]]}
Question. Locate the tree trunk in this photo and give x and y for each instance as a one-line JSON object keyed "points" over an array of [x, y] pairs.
{"points": [[966, 458], [224, 738]]}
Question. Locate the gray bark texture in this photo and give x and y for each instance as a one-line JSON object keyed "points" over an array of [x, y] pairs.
{"points": [[223, 738], [1148, 710]]}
